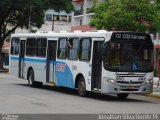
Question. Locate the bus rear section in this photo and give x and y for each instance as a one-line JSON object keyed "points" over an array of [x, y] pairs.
{"points": [[127, 64]]}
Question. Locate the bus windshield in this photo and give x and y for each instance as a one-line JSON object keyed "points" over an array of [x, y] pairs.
{"points": [[128, 56]]}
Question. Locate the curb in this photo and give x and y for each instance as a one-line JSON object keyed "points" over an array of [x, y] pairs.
{"points": [[152, 95], [4, 71]]}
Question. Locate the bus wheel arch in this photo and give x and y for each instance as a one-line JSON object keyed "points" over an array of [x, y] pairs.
{"points": [[81, 85], [77, 79]]}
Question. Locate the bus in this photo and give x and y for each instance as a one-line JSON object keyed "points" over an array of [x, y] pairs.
{"points": [[107, 62]]}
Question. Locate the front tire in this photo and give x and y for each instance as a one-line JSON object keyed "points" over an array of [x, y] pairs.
{"points": [[123, 95], [82, 87]]}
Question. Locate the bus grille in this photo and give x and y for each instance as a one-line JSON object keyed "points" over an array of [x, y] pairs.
{"points": [[124, 82]]}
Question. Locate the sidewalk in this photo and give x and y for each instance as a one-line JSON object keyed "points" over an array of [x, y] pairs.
{"points": [[5, 70], [156, 89], [156, 92]]}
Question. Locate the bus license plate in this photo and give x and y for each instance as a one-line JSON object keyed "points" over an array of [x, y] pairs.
{"points": [[130, 87]]}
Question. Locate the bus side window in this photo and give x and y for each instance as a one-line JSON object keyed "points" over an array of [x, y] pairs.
{"points": [[85, 46], [62, 48], [15, 46], [41, 47], [73, 46], [31, 47]]}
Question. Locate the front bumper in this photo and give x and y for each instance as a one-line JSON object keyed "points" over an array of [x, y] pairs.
{"points": [[109, 88]]}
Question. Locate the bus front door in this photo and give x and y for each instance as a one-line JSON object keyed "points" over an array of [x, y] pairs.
{"points": [[96, 65], [21, 58], [50, 63]]}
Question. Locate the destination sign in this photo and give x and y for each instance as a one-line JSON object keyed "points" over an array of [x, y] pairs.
{"points": [[130, 36]]}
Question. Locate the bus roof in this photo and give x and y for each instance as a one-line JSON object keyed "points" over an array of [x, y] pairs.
{"points": [[63, 34], [95, 34]]}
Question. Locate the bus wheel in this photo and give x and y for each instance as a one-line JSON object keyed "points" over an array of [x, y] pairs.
{"points": [[82, 87], [31, 81], [123, 95]]}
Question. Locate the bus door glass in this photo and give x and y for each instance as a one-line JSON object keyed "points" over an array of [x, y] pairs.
{"points": [[21, 57], [14, 56], [96, 65], [50, 63]]}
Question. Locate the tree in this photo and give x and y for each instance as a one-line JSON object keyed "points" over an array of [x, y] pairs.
{"points": [[126, 15], [16, 13]]}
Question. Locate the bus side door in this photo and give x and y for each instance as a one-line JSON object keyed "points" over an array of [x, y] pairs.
{"points": [[50, 63], [22, 57], [96, 65]]}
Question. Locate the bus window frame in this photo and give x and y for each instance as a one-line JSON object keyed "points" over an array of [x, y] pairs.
{"points": [[33, 47], [58, 48], [80, 50], [11, 51], [70, 47], [41, 47]]}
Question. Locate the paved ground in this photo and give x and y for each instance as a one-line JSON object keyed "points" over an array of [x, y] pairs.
{"points": [[17, 97]]}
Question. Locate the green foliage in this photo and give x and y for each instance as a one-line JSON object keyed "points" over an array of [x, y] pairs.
{"points": [[16, 13], [124, 15]]}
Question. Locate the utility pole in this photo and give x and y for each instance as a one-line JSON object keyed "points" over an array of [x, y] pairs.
{"points": [[29, 23], [53, 22]]}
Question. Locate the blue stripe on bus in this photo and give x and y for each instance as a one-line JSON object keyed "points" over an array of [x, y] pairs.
{"points": [[35, 60], [29, 59], [14, 58]]}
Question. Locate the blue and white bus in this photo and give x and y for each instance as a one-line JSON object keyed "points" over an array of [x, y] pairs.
{"points": [[106, 62]]}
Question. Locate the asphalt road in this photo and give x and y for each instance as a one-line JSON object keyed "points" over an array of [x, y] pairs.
{"points": [[18, 98]]}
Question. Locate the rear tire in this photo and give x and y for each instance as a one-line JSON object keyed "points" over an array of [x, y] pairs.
{"points": [[31, 81], [123, 95], [82, 87]]}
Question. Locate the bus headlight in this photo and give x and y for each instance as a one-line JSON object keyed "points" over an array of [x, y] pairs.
{"points": [[109, 80], [149, 81]]}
